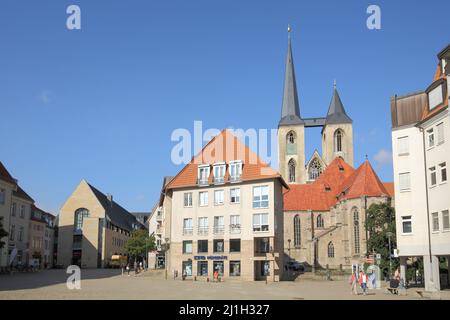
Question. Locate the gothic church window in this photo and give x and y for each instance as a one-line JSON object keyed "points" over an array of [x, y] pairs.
{"points": [[319, 221], [338, 140], [291, 143], [291, 137], [330, 250], [356, 230], [297, 232], [291, 166], [314, 169]]}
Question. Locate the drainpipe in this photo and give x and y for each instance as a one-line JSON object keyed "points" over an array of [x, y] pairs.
{"points": [[427, 201], [365, 221]]}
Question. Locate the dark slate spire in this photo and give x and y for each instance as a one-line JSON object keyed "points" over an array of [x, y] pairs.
{"points": [[290, 112], [336, 112]]}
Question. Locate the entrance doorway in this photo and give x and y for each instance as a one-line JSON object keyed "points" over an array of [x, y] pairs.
{"points": [[76, 258]]}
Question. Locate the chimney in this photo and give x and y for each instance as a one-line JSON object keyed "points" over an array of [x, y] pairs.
{"points": [[110, 198]]}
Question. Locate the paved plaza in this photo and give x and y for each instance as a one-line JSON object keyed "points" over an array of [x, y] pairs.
{"points": [[110, 284]]}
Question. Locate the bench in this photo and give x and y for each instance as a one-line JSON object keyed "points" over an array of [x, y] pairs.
{"points": [[392, 290]]}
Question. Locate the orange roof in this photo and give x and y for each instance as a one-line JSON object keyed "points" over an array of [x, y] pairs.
{"points": [[389, 186], [438, 76], [339, 181], [224, 147]]}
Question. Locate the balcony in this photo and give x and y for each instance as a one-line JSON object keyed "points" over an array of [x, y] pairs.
{"points": [[202, 231], [159, 215], [202, 182], [219, 180], [236, 178], [187, 231], [219, 229], [235, 228]]}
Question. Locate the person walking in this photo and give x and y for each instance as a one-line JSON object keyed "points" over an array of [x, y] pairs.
{"points": [[354, 283], [128, 269], [363, 282]]}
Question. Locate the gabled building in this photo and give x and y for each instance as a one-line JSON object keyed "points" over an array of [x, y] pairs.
{"points": [[223, 212], [421, 153], [92, 227], [324, 221]]}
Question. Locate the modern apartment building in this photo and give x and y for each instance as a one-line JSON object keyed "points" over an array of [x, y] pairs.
{"points": [[421, 155], [224, 213], [92, 227]]}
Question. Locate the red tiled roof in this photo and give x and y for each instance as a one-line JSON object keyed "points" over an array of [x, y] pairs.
{"points": [[5, 175], [225, 147], [389, 186], [339, 181]]}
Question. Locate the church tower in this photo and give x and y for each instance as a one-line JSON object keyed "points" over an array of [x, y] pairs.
{"points": [[291, 128], [337, 133]]}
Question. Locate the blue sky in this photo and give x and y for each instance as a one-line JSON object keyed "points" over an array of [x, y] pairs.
{"points": [[101, 103]]}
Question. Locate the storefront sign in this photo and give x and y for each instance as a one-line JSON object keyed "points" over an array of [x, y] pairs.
{"points": [[210, 258]]}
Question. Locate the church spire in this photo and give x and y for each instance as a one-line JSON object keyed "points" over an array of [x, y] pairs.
{"points": [[290, 112], [336, 112]]}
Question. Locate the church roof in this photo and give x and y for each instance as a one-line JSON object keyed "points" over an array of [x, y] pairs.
{"points": [[290, 111], [224, 147], [336, 111], [339, 181]]}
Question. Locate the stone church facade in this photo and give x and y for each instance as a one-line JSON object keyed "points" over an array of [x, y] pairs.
{"points": [[325, 206]]}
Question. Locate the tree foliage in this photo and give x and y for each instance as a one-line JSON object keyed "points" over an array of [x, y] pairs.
{"points": [[3, 233], [140, 243], [381, 220]]}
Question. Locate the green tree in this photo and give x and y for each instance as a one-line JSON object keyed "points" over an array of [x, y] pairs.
{"points": [[3, 233], [380, 222], [140, 243]]}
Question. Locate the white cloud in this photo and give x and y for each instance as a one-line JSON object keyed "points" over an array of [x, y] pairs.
{"points": [[383, 157]]}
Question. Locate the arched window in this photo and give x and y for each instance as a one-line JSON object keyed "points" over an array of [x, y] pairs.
{"points": [[80, 214], [314, 169], [338, 140], [291, 166], [356, 230], [319, 221], [290, 137], [330, 250], [297, 232]]}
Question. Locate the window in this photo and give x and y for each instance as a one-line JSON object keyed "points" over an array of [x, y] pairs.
{"points": [[22, 211], [12, 231], [435, 221], [21, 230], [187, 226], [291, 137], [235, 268], [430, 135], [187, 246], [330, 250], [319, 221], [187, 200], [218, 197], [235, 245], [235, 195], [218, 245], [219, 226], [2, 196], [291, 146], [291, 166], [203, 198], [13, 209], [436, 97], [404, 181], [261, 197], [261, 222], [445, 220], [219, 173], [202, 246], [314, 169], [187, 268], [203, 174], [357, 246], [403, 146], [407, 224], [443, 169], [297, 231], [80, 214], [440, 133], [202, 268], [235, 224], [218, 266], [432, 176], [338, 141], [202, 225], [235, 170]]}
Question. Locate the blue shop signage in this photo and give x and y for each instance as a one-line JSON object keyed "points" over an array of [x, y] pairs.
{"points": [[210, 258]]}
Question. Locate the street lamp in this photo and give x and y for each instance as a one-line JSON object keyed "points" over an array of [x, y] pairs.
{"points": [[389, 235]]}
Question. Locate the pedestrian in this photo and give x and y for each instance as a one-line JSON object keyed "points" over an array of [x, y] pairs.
{"points": [[136, 269], [140, 266], [363, 282], [128, 269], [354, 283]]}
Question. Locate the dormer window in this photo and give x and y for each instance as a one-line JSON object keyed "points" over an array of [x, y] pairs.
{"points": [[203, 174], [219, 172], [436, 93], [235, 170]]}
